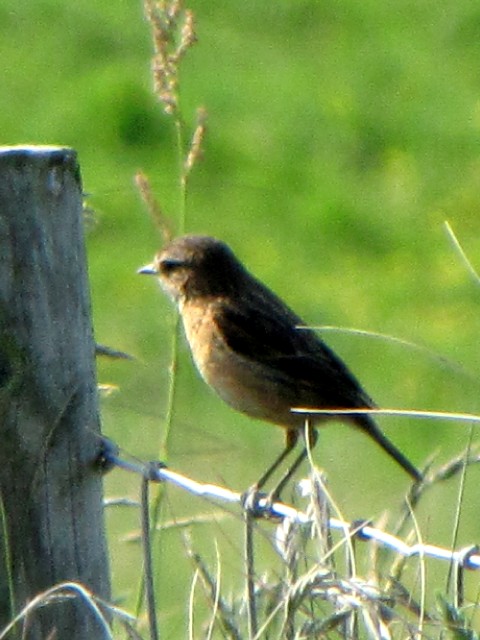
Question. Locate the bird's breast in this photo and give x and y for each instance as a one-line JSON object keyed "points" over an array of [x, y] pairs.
{"points": [[241, 382]]}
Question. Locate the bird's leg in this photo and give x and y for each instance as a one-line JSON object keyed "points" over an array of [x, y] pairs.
{"points": [[291, 438], [311, 437], [251, 495]]}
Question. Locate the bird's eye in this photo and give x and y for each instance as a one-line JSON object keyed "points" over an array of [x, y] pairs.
{"points": [[169, 265]]}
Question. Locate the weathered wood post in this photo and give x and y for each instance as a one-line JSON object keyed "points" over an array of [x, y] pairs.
{"points": [[51, 519]]}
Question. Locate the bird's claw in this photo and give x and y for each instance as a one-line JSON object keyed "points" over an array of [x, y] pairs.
{"points": [[258, 504]]}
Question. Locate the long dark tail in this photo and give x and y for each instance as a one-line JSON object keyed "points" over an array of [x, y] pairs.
{"points": [[366, 423]]}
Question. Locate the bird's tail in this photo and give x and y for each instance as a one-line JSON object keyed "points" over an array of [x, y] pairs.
{"points": [[367, 424]]}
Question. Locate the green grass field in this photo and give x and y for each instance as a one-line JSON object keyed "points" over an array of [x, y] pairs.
{"points": [[341, 136]]}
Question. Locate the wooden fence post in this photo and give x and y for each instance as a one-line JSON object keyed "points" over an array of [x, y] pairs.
{"points": [[51, 517]]}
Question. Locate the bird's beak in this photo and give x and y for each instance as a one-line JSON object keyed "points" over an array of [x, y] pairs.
{"points": [[148, 269]]}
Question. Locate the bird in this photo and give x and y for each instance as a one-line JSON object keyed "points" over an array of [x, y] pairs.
{"points": [[254, 351]]}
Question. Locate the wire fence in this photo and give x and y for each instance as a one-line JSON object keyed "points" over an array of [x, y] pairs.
{"points": [[465, 558]]}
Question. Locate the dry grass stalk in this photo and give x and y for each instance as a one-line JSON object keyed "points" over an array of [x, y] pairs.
{"points": [[160, 220], [195, 150], [171, 40]]}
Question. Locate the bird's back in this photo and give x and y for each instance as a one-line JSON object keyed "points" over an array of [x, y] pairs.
{"points": [[291, 364]]}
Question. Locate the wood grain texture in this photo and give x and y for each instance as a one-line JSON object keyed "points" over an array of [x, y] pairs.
{"points": [[51, 491]]}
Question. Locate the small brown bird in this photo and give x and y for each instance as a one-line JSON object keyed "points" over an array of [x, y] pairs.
{"points": [[247, 345]]}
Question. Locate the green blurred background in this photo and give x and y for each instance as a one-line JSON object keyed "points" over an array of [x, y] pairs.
{"points": [[341, 136]]}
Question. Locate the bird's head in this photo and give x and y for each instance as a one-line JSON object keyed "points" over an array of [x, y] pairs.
{"points": [[193, 266]]}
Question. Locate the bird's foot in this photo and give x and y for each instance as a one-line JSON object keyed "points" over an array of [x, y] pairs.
{"points": [[258, 504]]}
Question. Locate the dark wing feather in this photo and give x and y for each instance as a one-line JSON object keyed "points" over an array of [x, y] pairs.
{"points": [[255, 334], [265, 330]]}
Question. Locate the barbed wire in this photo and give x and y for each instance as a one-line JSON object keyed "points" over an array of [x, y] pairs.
{"points": [[465, 558]]}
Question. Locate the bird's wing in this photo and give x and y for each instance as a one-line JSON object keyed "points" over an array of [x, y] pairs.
{"points": [[270, 336], [255, 333]]}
